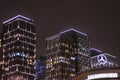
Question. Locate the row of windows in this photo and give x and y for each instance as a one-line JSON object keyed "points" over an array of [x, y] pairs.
{"points": [[27, 26], [20, 68], [58, 76], [21, 24], [20, 32], [21, 50], [23, 39], [19, 61], [19, 45], [62, 54]]}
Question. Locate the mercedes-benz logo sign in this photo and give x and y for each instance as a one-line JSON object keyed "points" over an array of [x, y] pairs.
{"points": [[102, 59]]}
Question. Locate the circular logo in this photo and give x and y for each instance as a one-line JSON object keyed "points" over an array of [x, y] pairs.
{"points": [[102, 59]]}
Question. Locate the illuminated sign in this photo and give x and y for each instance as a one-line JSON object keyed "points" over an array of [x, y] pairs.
{"points": [[102, 75], [102, 59]]}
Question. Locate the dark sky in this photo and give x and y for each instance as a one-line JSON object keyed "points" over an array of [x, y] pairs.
{"points": [[100, 19]]}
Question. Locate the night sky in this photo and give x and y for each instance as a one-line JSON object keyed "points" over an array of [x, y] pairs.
{"points": [[100, 19]]}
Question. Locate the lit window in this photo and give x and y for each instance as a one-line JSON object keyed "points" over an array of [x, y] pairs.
{"points": [[66, 51], [18, 54], [73, 58]]}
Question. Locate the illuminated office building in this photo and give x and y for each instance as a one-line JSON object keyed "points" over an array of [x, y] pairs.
{"points": [[67, 54], [19, 49]]}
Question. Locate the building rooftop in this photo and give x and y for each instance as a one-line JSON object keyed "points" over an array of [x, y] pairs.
{"points": [[73, 30], [95, 52], [58, 35], [18, 16]]}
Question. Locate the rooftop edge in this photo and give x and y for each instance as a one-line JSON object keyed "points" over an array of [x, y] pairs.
{"points": [[15, 18], [73, 30]]}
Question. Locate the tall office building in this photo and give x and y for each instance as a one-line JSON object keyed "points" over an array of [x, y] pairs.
{"points": [[19, 49], [67, 54]]}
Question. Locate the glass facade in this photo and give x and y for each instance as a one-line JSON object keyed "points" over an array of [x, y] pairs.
{"points": [[67, 55], [19, 49]]}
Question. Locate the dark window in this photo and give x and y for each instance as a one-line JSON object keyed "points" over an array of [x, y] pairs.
{"points": [[32, 29], [5, 29], [15, 25], [22, 25]]}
